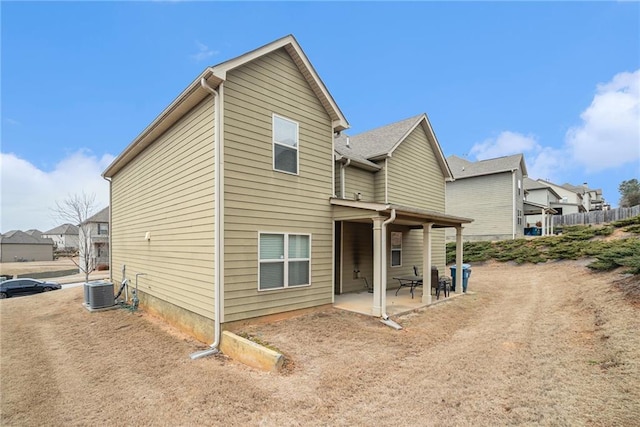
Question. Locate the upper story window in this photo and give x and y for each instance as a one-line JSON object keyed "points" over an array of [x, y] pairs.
{"points": [[285, 145], [103, 228]]}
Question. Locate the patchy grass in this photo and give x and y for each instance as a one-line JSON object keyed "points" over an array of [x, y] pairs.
{"points": [[575, 242]]}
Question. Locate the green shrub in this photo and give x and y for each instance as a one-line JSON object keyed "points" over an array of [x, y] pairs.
{"points": [[633, 229], [635, 220]]}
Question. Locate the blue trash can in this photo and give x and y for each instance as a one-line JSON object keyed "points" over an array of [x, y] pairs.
{"points": [[466, 273]]}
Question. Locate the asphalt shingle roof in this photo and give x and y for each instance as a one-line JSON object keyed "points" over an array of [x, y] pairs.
{"points": [[20, 237], [102, 216], [463, 168], [64, 229]]}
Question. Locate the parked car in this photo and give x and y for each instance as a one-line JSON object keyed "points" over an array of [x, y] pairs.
{"points": [[13, 287]]}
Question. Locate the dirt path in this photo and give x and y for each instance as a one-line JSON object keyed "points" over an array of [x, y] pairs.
{"points": [[536, 345]]}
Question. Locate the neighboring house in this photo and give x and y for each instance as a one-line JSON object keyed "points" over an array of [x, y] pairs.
{"points": [[538, 207], [17, 245], [97, 239], [569, 200], [491, 192], [64, 236], [35, 233], [591, 198], [225, 207]]}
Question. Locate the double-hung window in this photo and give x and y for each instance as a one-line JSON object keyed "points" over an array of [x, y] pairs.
{"points": [[285, 145], [103, 228], [285, 260], [396, 249]]}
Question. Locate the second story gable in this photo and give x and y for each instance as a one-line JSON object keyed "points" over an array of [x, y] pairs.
{"points": [[401, 163]]}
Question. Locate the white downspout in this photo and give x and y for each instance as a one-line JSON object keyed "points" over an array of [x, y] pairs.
{"points": [[343, 186], [383, 264], [219, 223], [515, 205], [110, 229]]}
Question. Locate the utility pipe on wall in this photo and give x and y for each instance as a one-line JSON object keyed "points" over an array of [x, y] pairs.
{"points": [[343, 185], [219, 206]]}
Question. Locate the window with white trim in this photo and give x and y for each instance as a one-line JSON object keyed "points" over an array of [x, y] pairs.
{"points": [[285, 145], [396, 249], [285, 260], [103, 228]]}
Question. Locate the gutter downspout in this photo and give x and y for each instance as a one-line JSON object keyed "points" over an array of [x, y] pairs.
{"points": [[515, 204], [343, 186], [110, 223], [219, 206], [383, 263]]}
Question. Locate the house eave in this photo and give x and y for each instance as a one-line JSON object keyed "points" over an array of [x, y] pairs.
{"points": [[194, 93], [418, 215]]}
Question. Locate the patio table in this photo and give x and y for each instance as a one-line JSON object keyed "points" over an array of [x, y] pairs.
{"points": [[411, 281]]}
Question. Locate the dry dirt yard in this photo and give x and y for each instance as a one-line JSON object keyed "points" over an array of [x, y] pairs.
{"points": [[551, 344]]}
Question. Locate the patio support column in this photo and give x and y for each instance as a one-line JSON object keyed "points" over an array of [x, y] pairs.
{"points": [[459, 260], [378, 253], [544, 223], [426, 263], [551, 224]]}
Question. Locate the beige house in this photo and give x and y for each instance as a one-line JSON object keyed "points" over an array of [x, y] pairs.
{"points": [[94, 235], [569, 201], [237, 202], [491, 192], [64, 236], [18, 246], [538, 207]]}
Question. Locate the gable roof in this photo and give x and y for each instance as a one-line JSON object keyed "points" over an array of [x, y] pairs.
{"points": [[381, 142], [34, 232], [214, 76], [580, 189], [101, 216], [64, 229], [20, 237], [531, 184], [560, 187], [462, 168]]}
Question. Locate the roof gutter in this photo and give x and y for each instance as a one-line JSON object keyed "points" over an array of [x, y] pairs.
{"points": [[219, 218]]}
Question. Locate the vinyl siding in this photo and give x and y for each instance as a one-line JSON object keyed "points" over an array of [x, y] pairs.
{"points": [[415, 178], [412, 248], [357, 254], [336, 180], [10, 252], [168, 191], [259, 199], [379, 184], [359, 181], [488, 200]]}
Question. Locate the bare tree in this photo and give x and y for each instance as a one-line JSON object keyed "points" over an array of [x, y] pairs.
{"points": [[76, 209]]}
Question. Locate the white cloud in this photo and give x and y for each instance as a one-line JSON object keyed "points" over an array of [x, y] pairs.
{"points": [[203, 52], [609, 135], [505, 144], [607, 138], [542, 162], [29, 193]]}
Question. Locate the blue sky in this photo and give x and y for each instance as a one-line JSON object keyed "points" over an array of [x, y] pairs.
{"points": [[559, 82]]}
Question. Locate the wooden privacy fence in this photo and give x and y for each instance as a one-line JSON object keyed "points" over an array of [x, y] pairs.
{"points": [[596, 217]]}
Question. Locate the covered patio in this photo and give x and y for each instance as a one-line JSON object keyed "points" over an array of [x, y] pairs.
{"points": [[371, 222], [537, 211]]}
